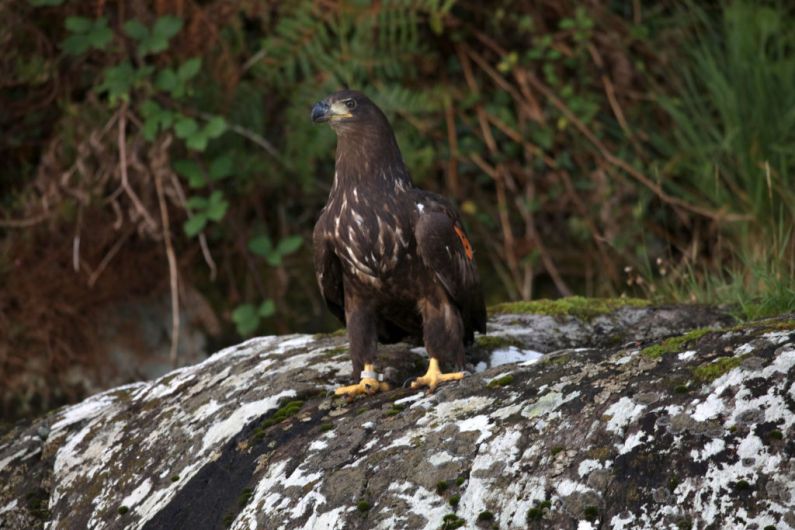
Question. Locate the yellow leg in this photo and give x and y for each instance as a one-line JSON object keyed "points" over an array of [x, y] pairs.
{"points": [[367, 385], [434, 376]]}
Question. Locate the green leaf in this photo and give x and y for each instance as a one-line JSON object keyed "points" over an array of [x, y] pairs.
{"points": [[274, 259], [118, 81], [261, 246], [289, 244], [100, 36], [245, 318], [189, 69], [267, 308], [45, 3], [166, 27], [215, 127], [197, 141], [197, 203], [75, 44], [133, 28], [221, 167], [185, 127], [195, 224], [167, 80], [190, 170], [78, 24], [217, 206]]}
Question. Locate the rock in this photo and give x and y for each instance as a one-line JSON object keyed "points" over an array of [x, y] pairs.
{"points": [[624, 420]]}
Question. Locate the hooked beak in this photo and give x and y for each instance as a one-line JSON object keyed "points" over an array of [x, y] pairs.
{"points": [[321, 112]]}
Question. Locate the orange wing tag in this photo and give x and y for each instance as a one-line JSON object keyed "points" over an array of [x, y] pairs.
{"points": [[464, 241]]}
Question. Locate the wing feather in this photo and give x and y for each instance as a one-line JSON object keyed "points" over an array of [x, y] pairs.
{"points": [[444, 247], [328, 271]]}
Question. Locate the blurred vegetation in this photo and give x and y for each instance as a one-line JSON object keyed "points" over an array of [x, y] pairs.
{"points": [[164, 146]]}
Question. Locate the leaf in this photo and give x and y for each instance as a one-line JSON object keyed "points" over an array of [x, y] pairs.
{"points": [[289, 244], [75, 44], [190, 170], [100, 36], [261, 246], [197, 203], [166, 27], [189, 69], [217, 206], [221, 167], [166, 80], [267, 308], [118, 81], [45, 3], [274, 259], [215, 127], [78, 24], [197, 141], [195, 224], [185, 127], [133, 28], [245, 318]]}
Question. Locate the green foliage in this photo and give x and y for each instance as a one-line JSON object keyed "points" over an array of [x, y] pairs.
{"points": [[273, 254], [154, 40], [86, 34], [247, 317], [205, 209], [675, 344]]}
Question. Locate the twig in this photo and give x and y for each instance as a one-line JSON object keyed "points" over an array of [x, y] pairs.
{"points": [[25, 223], [123, 168], [172, 260], [92, 279]]}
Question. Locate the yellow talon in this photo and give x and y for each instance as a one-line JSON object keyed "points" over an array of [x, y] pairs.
{"points": [[367, 385], [434, 376]]}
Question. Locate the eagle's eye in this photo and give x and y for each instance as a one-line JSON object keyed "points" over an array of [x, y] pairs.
{"points": [[350, 103]]}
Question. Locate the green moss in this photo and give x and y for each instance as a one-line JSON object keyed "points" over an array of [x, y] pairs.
{"points": [[591, 513], [675, 344], [363, 506], [333, 352], [460, 480], [326, 426], [684, 524], [244, 497], [770, 527], [285, 411], [681, 389], [175, 478], [123, 509], [485, 515], [494, 342], [451, 521], [228, 520], [337, 333], [536, 513], [501, 381], [776, 435], [557, 449], [395, 410], [742, 485], [708, 372], [441, 486], [454, 500], [673, 482], [576, 306]]}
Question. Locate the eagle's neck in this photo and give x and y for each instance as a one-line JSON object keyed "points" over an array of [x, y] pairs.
{"points": [[369, 156]]}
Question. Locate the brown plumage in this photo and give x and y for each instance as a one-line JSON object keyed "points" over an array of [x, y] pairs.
{"points": [[392, 261]]}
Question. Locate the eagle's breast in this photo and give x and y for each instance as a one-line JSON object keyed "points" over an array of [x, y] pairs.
{"points": [[370, 231]]}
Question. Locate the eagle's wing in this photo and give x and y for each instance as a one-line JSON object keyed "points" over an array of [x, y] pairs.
{"points": [[444, 247], [328, 271]]}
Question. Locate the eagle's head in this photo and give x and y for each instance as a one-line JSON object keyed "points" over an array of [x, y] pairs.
{"points": [[348, 110]]}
